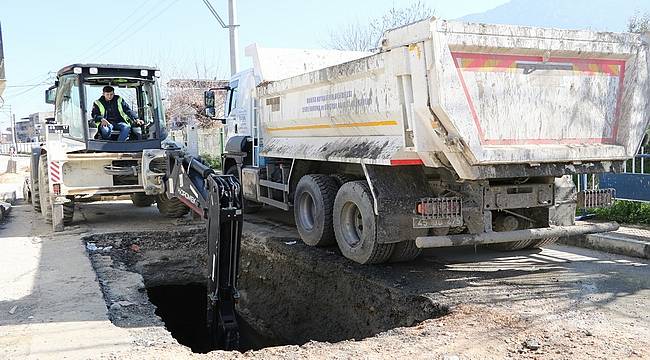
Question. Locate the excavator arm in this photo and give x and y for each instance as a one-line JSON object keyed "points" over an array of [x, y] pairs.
{"points": [[218, 199]]}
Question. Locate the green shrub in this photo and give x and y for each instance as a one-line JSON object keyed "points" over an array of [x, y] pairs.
{"points": [[627, 212], [212, 161]]}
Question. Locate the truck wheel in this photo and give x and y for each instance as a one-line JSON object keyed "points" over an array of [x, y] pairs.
{"points": [[171, 207], [44, 185], [68, 212], [142, 199], [342, 178], [250, 207], [405, 251], [355, 225], [36, 198], [312, 209]]}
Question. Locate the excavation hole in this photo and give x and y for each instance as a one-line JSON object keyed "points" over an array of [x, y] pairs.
{"points": [[183, 310], [290, 294]]}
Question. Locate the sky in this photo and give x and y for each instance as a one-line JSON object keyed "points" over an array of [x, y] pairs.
{"points": [[181, 37]]}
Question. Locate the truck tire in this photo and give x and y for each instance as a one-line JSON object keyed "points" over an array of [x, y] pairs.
{"points": [[355, 225], [405, 251], [342, 178], [68, 212], [312, 209], [44, 187], [250, 207], [171, 207], [34, 185], [142, 199]]}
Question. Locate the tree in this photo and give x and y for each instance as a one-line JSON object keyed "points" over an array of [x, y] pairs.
{"points": [[639, 23], [364, 37], [185, 102]]}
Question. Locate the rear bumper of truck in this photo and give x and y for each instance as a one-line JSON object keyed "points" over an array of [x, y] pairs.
{"points": [[510, 236]]}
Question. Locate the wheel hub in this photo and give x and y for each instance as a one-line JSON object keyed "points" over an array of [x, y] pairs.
{"points": [[352, 224]]}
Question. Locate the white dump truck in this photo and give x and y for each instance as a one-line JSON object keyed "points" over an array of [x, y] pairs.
{"points": [[452, 133]]}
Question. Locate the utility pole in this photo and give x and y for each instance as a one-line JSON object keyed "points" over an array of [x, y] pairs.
{"points": [[232, 29], [13, 129], [234, 36]]}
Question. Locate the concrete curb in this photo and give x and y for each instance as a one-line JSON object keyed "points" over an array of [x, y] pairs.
{"points": [[8, 196], [5, 208], [612, 243]]}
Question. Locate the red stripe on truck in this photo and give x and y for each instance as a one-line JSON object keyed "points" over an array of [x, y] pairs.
{"points": [[398, 162]]}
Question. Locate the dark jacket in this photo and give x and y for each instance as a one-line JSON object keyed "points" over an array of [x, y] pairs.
{"points": [[111, 111]]}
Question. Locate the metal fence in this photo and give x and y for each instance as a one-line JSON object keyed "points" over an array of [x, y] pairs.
{"points": [[21, 148], [634, 183]]}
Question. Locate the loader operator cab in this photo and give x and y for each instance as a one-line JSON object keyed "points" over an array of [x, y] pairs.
{"points": [[79, 85]]}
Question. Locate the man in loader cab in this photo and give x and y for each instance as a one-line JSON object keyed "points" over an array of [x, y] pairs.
{"points": [[110, 112]]}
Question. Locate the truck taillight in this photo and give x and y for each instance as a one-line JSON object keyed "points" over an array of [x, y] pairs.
{"points": [[56, 189], [438, 207]]}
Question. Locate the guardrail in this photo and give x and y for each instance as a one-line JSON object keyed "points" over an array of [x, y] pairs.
{"points": [[21, 148]]}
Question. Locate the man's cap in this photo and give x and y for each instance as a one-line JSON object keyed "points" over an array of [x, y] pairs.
{"points": [[108, 89]]}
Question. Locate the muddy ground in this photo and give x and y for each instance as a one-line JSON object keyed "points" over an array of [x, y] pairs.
{"points": [[557, 303], [560, 302]]}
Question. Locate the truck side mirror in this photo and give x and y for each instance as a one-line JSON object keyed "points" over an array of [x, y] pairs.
{"points": [[208, 99], [208, 102], [50, 95]]}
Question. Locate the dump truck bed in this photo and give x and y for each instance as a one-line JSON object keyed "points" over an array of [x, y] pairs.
{"points": [[466, 95]]}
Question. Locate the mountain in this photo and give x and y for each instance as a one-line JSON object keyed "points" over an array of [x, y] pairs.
{"points": [[600, 15]]}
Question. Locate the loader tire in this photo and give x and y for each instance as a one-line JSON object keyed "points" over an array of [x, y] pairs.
{"points": [[171, 207], [68, 212], [250, 207], [142, 200], [355, 225], [27, 194], [44, 187], [405, 251], [312, 209], [36, 195]]}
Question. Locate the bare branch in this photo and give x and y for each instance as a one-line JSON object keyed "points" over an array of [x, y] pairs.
{"points": [[639, 23], [364, 37]]}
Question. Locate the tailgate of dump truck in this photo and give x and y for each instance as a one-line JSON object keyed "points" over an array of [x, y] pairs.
{"points": [[518, 94]]}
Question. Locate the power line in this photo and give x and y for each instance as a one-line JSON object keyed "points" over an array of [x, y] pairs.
{"points": [[31, 88], [36, 78], [139, 28], [99, 44], [215, 14], [26, 85], [14, 96]]}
